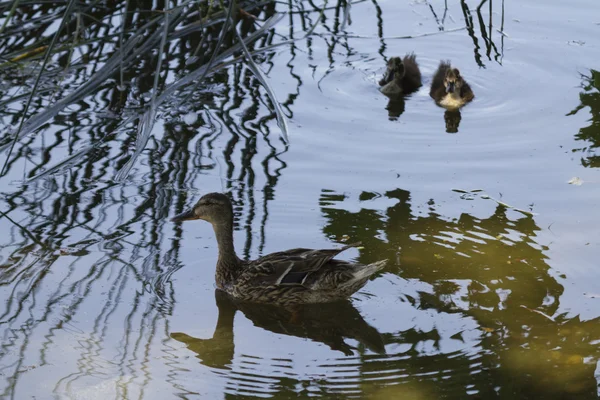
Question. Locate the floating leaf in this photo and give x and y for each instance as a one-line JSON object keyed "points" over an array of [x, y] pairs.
{"points": [[575, 181], [459, 191]]}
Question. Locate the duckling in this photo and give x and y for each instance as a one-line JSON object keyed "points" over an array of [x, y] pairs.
{"points": [[288, 277], [401, 77], [449, 89]]}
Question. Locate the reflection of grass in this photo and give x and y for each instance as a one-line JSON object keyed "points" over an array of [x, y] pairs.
{"points": [[82, 251], [486, 28], [590, 98], [144, 38]]}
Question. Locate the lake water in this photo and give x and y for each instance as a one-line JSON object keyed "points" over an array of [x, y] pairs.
{"points": [[492, 230]]}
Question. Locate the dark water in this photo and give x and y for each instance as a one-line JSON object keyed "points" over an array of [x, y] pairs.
{"points": [[493, 284]]}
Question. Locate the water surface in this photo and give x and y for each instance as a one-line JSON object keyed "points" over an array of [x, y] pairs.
{"points": [[492, 287]]}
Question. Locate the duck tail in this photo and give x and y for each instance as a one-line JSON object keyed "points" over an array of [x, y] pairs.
{"points": [[369, 270]]}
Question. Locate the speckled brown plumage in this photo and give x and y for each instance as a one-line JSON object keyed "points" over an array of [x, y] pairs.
{"points": [[287, 277]]}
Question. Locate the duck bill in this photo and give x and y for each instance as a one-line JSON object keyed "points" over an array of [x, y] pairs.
{"points": [[185, 216], [450, 88]]}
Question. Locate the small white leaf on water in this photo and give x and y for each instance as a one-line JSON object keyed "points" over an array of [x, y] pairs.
{"points": [[575, 181], [190, 118], [484, 196]]}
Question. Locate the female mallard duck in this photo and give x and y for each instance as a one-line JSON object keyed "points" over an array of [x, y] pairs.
{"points": [[401, 77], [449, 89], [288, 277]]}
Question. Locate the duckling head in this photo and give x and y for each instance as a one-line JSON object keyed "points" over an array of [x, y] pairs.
{"points": [[395, 71], [453, 81], [213, 207]]}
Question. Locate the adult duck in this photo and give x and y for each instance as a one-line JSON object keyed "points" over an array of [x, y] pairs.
{"points": [[288, 277]]}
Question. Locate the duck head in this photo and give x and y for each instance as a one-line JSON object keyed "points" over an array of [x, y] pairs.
{"points": [[213, 207], [395, 71], [453, 81]]}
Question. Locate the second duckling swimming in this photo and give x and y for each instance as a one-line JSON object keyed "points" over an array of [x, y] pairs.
{"points": [[401, 77], [449, 89]]}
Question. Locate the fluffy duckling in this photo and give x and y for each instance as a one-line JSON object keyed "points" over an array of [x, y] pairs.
{"points": [[401, 77], [449, 89]]}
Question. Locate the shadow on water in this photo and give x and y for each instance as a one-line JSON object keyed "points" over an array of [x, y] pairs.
{"points": [[490, 270], [590, 99]]}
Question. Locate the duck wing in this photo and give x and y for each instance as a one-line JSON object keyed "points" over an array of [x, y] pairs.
{"points": [[290, 267]]}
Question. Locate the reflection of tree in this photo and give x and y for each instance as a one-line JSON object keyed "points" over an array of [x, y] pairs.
{"points": [[590, 97], [488, 269]]}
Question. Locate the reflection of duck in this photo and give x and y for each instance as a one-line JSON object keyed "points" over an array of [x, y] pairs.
{"points": [[401, 77], [452, 118], [329, 323], [287, 277], [449, 89], [395, 107], [218, 350]]}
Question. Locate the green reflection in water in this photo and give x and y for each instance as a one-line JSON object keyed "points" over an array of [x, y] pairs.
{"points": [[489, 269], [590, 99]]}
